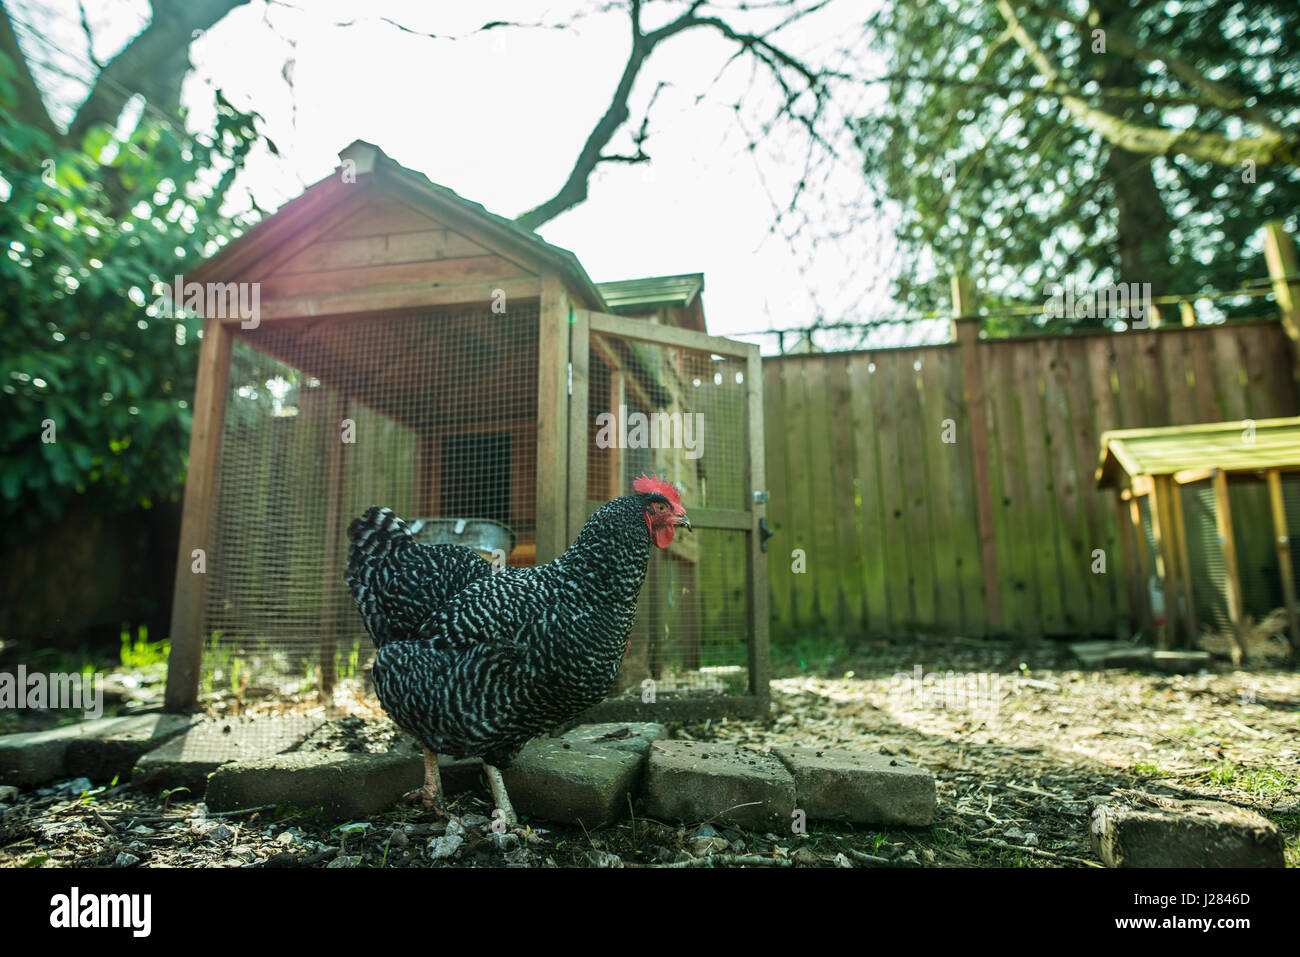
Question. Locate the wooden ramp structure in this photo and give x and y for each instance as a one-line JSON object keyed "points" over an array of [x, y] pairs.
{"points": [[1166, 480]]}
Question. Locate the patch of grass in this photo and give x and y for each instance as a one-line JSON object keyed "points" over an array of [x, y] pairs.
{"points": [[1260, 782], [1289, 822], [1142, 769], [819, 653]]}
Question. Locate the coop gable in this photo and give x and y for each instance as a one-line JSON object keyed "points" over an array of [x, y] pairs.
{"points": [[377, 236]]}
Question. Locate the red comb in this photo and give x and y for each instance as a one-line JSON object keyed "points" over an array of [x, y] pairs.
{"points": [[652, 483]]}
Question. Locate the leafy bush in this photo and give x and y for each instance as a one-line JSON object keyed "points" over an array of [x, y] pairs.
{"points": [[95, 378]]}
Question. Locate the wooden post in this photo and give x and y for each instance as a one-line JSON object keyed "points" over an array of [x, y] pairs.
{"points": [[1132, 573], [183, 663], [760, 664], [1223, 518], [965, 331], [332, 545], [617, 396], [1283, 542], [1179, 529], [552, 419], [1146, 614], [1162, 528], [579, 434], [1279, 253]]}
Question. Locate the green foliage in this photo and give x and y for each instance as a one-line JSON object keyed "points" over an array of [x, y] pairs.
{"points": [[139, 652], [997, 179], [91, 355]]}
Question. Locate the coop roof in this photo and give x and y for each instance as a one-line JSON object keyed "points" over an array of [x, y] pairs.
{"points": [[372, 167], [653, 292], [1245, 446]]}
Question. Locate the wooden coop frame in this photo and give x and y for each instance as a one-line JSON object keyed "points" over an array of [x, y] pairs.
{"points": [[1148, 468], [374, 241]]}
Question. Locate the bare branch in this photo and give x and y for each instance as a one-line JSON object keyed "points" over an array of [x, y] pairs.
{"points": [[778, 62]]}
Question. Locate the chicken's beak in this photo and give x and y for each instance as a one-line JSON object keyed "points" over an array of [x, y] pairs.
{"points": [[682, 521]]}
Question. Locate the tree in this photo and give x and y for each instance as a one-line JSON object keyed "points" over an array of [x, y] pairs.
{"points": [[1106, 141], [95, 380]]}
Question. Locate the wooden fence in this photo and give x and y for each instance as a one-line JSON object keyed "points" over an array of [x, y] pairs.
{"points": [[877, 482]]}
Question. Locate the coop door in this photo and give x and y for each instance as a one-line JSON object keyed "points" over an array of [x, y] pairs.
{"points": [[687, 407]]}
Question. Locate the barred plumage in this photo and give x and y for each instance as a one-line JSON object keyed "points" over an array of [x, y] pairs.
{"points": [[475, 660]]}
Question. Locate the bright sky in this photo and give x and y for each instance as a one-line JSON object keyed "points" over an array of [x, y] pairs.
{"points": [[500, 117]]}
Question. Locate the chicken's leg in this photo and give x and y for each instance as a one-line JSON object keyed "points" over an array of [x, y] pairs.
{"points": [[430, 794], [499, 796]]}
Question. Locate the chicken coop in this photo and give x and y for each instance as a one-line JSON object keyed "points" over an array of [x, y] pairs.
{"points": [[381, 340], [1192, 502]]}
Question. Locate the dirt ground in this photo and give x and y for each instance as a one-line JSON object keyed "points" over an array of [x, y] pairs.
{"points": [[1018, 739]]}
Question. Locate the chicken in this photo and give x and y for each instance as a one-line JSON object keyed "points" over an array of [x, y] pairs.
{"points": [[473, 659]]}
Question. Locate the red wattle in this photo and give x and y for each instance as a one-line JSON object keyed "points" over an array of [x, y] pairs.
{"points": [[663, 536]]}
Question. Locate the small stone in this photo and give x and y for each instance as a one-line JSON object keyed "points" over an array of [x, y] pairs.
{"points": [[284, 838], [345, 861], [445, 846], [220, 833], [76, 786], [841, 861], [603, 859], [707, 830], [704, 846], [244, 853], [8, 794], [398, 838], [806, 857], [126, 860], [519, 857], [475, 820], [503, 840]]}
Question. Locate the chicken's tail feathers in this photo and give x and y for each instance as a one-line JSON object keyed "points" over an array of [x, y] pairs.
{"points": [[375, 537]]}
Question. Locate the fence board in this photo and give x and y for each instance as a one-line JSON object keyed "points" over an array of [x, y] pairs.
{"points": [[870, 510], [940, 487], [775, 440], [916, 496], [849, 545], [885, 383], [1072, 552], [824, 559], [800, 490], [966, 531]]}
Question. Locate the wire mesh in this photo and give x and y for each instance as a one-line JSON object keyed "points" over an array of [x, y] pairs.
{"points": [[433, 414], [681, 414]]}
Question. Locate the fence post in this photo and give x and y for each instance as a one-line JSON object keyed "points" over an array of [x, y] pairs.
{"points": [[1279, 253], [966, 333]]}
